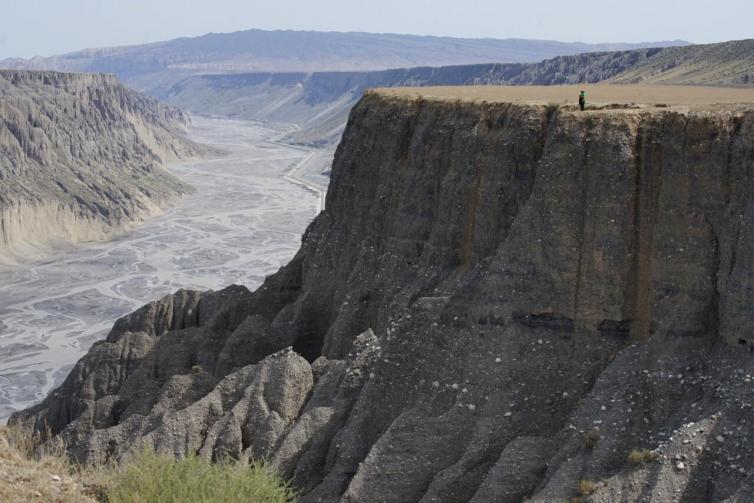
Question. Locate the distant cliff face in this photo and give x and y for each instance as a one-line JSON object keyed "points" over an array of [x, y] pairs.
{"points": [[80, 157], [319, 102], [498, 302]]}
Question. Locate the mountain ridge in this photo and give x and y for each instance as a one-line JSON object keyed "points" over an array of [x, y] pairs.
{"points": [[319, 101], [291, 50], [499, 301], [81, 157]]}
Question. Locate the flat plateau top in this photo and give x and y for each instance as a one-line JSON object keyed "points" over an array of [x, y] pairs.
{"points": [[597, 95]]}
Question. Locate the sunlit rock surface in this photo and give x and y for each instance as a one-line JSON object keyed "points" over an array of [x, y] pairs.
{"points": [[499, 301]]}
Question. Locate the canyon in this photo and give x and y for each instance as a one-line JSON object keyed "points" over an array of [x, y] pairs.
{"points": [[81, 158], [503, 298], [242, 223]]}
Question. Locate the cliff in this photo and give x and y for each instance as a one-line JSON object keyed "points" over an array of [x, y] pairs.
{"points": [[319, 102], [499, 301], [80, 157]]}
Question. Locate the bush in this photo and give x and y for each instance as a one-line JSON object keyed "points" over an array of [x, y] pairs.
{"points": [[641, 456], [591, 438], [149, 477], [587, 487]]}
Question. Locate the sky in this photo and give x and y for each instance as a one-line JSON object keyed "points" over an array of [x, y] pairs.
{"points": [[47, 27]]}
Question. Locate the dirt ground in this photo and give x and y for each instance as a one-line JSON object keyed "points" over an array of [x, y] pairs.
{"points": [[597, 95]]}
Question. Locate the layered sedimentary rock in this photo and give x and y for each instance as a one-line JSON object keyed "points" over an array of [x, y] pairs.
{"points": [[499, 301], [80, 157]]}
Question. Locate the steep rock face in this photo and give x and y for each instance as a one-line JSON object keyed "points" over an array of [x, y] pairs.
{"points": [[537, 293], [80, 156]]}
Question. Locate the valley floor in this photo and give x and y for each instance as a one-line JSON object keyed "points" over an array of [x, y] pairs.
{"points": [[244, 221]]}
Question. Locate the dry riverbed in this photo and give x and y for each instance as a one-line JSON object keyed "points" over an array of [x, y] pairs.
{"points": [[244, 221]]}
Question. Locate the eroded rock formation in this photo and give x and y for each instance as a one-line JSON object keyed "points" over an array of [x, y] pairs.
{"points": [[80, 157], [499, 301]]}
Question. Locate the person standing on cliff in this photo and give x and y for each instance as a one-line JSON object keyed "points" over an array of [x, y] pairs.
{"points": [[582, 100]]}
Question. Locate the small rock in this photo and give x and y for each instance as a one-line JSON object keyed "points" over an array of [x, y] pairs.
{"points": [[720, 438], [680, 465], [435, 384], [508, 414], [498, 360], [55, 478]]}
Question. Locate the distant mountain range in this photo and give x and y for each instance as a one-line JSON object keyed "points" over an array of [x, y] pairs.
{"points": [[308, 51], [313, 78], [319, 102]]}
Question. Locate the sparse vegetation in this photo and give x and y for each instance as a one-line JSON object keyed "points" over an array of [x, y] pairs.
{"points": [[196, 369], [587, 487], [641, 456], [150, 477], [591, 438], [28, 474]]}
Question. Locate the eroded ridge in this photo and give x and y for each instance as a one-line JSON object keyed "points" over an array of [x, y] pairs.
{"points": [[538, 293], [80, 158]]}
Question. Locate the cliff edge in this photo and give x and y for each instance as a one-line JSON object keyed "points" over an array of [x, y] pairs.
{"points": [[500, 301], [80, 157]]}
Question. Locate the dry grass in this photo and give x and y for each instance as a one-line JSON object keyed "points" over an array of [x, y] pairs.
{"points": [[30, 474], [587, 487], [597, 95], [641, 456]]}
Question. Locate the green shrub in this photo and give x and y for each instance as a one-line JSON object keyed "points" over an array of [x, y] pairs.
{"points": [[152, 478]]}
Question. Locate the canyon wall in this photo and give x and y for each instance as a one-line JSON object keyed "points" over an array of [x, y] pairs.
{"points": [[498, 302], [80, 157], [319, 102]]}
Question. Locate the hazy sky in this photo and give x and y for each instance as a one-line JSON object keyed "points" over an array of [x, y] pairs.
{"points": [[46, 27]]}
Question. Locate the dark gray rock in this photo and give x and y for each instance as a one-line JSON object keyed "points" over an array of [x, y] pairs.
{"points": [[528, 275]]}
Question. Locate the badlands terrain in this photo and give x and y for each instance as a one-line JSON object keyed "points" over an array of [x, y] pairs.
{"points": [[502, 299], [243, 221], [81, 157]]}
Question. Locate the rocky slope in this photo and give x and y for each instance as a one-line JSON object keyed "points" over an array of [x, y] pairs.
{"points": [[499, 301], [80, 157]]}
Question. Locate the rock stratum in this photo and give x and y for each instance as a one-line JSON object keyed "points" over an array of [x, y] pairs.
{"points": [[80, 157], [500, 301]]}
